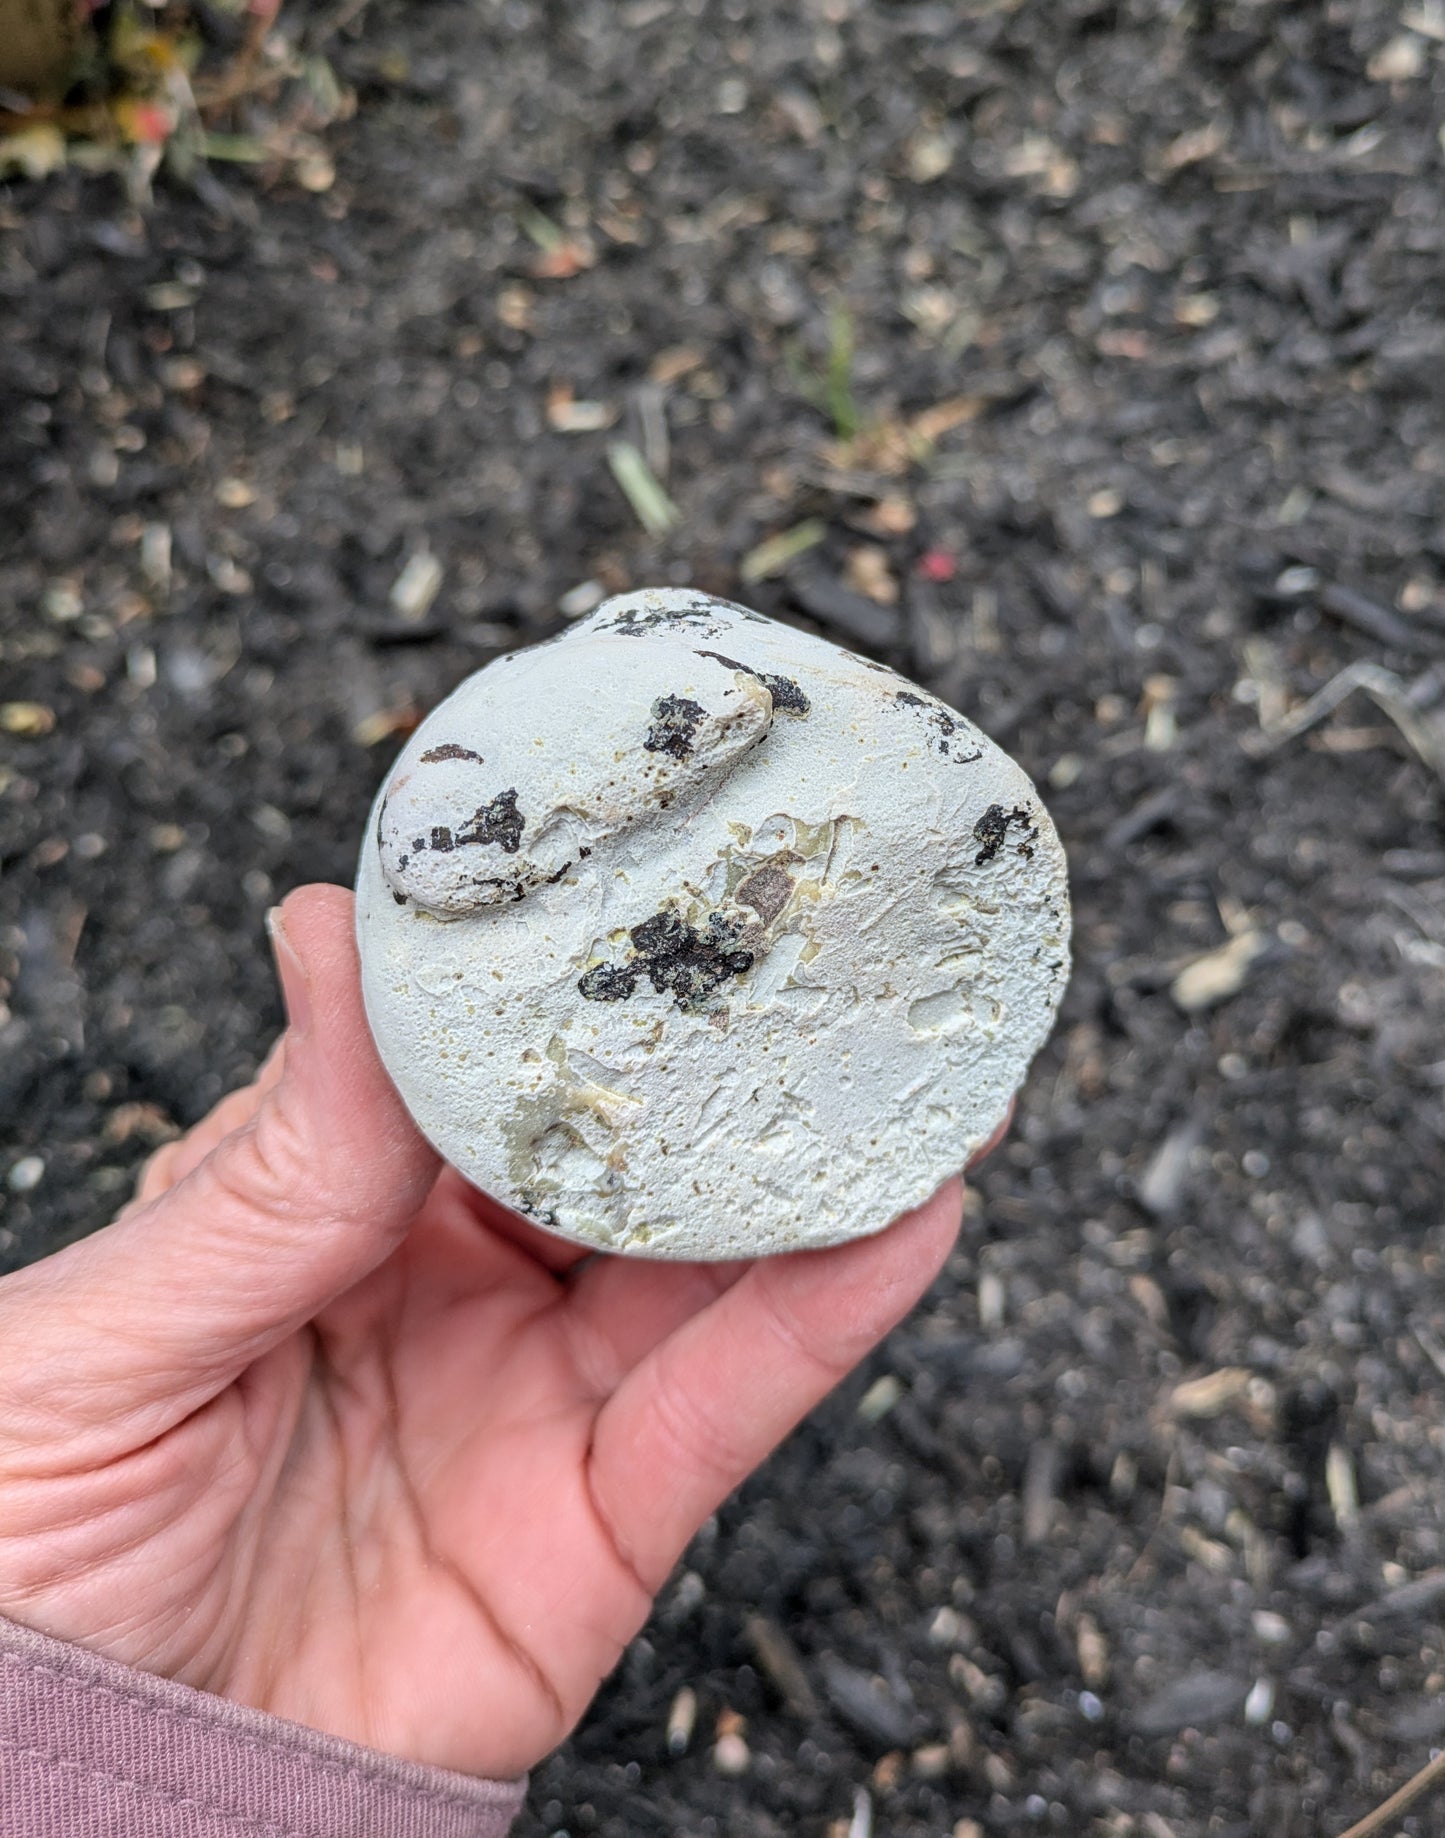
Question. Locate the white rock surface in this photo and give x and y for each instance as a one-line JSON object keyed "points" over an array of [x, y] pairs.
{"points": [[690, 935]]}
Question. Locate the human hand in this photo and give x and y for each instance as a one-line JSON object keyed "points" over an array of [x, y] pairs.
{"points": [[316, 1426]]}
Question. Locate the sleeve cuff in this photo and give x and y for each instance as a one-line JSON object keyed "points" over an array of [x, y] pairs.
{"points": [[90, 1748]]}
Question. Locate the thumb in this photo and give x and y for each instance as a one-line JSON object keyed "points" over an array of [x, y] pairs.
{"points": [[173, 1301]]}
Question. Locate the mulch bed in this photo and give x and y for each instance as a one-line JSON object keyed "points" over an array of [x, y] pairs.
{"points": [[1135, 1529]]}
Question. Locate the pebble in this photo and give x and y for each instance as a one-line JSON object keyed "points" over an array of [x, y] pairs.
{"points": [[1269, 1627], [1259, 1705], [731, 1755], [582, 599], [27, 1174]]}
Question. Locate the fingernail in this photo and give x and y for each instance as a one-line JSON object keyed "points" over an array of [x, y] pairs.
{"points": [[295, 986]]}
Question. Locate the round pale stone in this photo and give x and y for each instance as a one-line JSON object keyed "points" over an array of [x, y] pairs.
{"points": [[691, 935]]}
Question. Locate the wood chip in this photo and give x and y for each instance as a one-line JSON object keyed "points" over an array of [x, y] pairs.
{"points": [[1212, 1394], [782, 1665], [1093, 1651], [1219, 974], [1041, 1486], [681, 1719], [894, 515], [1341, 1487], [880, 1398], [146, 1121], [675, 362], [28, 720], [866, 569], [417, 586], [1196, 145]]}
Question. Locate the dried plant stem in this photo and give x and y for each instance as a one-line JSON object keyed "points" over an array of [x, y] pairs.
{"points": [[1429, 1776]]}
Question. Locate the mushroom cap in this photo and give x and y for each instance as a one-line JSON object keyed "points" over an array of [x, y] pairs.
{"points": [[688, 934]]}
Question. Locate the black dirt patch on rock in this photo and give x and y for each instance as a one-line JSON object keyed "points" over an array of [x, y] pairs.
{"points": [[674, 722], [687, 964], [788, 698], [449, 750], [945, 726], [675, 958], [633, 623], [608, 982], [992, 828], [499, 822]]}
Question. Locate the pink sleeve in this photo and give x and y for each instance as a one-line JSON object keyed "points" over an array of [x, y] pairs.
{"points": [[91, 1749]]}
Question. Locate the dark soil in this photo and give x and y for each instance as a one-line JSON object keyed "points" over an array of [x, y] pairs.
{"points": [[1185, 263]]}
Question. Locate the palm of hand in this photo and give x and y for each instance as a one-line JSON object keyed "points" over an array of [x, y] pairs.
{"points": [[360, 1448]]}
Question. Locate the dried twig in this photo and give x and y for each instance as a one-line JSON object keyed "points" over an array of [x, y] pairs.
{"points": [[1388, 692], [1384, 1814]]}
